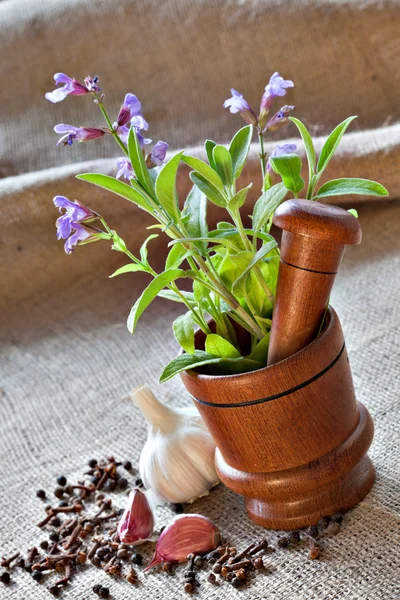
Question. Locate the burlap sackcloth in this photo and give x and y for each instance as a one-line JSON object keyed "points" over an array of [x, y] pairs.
{"points": [[67, 359]]}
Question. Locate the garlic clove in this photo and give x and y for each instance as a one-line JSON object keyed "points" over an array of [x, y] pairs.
{"points": [[137, 523], [186, 534]]}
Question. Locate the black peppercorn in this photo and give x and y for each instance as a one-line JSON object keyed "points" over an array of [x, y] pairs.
{"points": [[313, 531], [96, 588], [92, 463], [283, 542], [138, 482], [37, 575], [295, 537], [59, 492], [55, 522], [128, 465], [5, 577], [237, 582], [44, 544], [54, 536], [123, 483], [104, 592], [41, 494], [61, 480], [198, 561], [337, 518], [137, 558], [54, 590], [177, 507]]}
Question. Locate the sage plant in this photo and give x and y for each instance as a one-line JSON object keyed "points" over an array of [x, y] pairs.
{"points": [[233, 269]]}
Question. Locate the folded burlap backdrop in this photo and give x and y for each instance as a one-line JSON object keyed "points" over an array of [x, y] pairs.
{"points": [[67, 360]]}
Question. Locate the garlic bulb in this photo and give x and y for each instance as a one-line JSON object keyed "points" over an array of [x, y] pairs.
{"points": [[177, 460]]}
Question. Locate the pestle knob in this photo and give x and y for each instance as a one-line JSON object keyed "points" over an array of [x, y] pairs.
{"points": [[313, 242]]}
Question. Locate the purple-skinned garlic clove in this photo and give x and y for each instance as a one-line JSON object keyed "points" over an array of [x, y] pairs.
{"points": [[137, 522]]}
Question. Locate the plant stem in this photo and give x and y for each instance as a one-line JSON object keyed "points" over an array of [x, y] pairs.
{"points": [[110, 125], [263, 156]]}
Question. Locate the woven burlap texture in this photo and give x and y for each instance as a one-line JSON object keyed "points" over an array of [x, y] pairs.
{"points": [[67, 361]]}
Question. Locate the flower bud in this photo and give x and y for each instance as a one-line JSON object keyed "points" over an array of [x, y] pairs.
{"points": [[187, 534]]}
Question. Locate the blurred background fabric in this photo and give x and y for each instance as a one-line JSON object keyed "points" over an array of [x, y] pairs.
{"points": [[66, 357]]}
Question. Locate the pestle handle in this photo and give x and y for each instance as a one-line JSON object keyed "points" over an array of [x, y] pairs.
{"points": [[313, 242]]}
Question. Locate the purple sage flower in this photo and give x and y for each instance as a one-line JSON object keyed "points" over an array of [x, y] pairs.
{"points": [[277, 86], [71, 87], [71, 134], [130, 111], [157, 155], [124, 168], [80, 234], [75, 212], [280, 151], [279, 119], [237, 104]]}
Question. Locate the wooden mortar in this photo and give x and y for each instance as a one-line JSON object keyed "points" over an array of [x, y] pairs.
{"points": [[291, 437]]}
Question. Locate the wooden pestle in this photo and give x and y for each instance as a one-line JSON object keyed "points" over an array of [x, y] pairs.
{"points": [[313, 242]]}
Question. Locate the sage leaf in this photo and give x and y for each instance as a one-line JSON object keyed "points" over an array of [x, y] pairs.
{"points": [[151, 292], [209, 146], [144, 250], [138, 162], [166, 186], [223, 164], [212, 193], [260, 351], [174, 297], [195, 214], [308, 145], [238, 199], [176, 256], [239, 149], [288, 167], [353, 212], [185, 362], [117, 187], [219, 346], [267, 204], [131, 268], [240, 282], [205, 171], [232, 366], [184, 332], [332, 143], [339, 187]]}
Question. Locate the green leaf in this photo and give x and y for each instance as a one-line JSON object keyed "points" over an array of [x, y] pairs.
{"points": [[138, 161], [353, 212], [332, 143], [152, 290], [239, 149], [339, 187], [240, 282], [143, 249], [176, 256], [166, 186], [208, 189], [195, 215], [219, 346], [260, 352], [184, 332], [207, 240], [131, 268], [308, 145], [223, 164], [185, 362], [232, 366], [174, 297], [205, 171], [288, 167], [209, 145], [238, 199], [267, 204], [117, 187]]}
